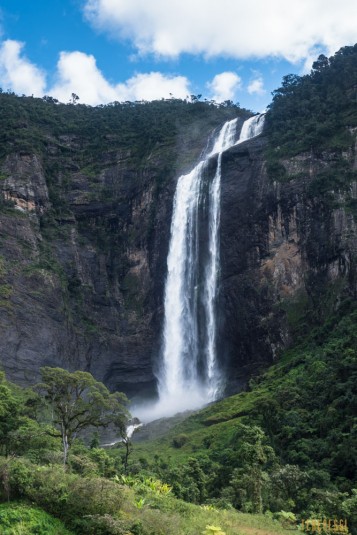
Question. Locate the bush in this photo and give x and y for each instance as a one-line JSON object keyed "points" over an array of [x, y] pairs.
{"points": [[179, 440], [60, 493], [94, 496], [102, 525]]}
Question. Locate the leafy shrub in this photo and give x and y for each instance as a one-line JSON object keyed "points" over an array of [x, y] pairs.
{"points": [[102, 525], [82, 465], [61, 493], [93, 496], [16, 476], [286, 518]]}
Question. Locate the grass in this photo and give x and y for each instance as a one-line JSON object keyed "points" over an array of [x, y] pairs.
{"points": [[166, 515], [151, 514], [22, 519]]}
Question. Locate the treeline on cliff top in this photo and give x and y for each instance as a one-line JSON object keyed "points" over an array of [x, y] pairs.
{"points": [[27, 124], [316, 111]]}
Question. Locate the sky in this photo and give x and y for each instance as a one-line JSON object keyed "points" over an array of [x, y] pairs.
{"points": [[119, 50]]}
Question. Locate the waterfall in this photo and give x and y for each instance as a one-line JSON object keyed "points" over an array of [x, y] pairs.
{"points": [[189, 375], [225, 140], [252, 127]]}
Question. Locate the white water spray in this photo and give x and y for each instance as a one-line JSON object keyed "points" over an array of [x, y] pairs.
{"points": [[252, 128], [189, 374]]}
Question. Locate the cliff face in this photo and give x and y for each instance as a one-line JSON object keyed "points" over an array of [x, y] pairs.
{"points": [[287, 249], [82, 288], [84, 244], [85, 227]]}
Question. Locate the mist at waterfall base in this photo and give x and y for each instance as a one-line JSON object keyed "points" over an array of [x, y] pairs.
{"points": [[189, 376]]}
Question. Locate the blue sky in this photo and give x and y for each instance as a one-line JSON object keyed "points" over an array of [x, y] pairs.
{"points": [[106, 50]]}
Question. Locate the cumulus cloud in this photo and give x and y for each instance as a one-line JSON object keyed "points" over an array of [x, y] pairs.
{"points": [[153, 85], [17, 73], [256, 86], [235, 28], [78, 73], [224, 86]]}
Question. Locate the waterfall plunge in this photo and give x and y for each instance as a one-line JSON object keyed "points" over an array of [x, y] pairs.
{"points": [[189, 375]]}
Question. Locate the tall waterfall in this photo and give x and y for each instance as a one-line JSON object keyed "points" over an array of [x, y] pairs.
{"points": [[189, 375]]}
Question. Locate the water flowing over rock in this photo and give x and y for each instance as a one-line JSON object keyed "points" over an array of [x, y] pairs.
{"points": [[189, 374], [252, 127]]}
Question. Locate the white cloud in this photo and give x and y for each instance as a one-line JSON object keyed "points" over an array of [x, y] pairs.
{"points": [[153, 85], [17, 73], [78, 73], [235, 28], [224, 86], [256, 86]]}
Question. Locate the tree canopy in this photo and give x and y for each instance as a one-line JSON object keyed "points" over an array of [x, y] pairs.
{"points": [[314, 112], [78, 401]]}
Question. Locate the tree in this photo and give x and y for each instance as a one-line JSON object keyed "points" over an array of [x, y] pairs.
{"points": [[250, 454], [128, 445], [321, 63], [74, 98], [9, 413], [78, 401]]}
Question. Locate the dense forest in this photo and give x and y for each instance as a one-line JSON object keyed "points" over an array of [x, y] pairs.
{"points": [[280, 454]]}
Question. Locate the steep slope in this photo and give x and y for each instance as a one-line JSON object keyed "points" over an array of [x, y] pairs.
{"points": [[287, 443], [287, 248]]}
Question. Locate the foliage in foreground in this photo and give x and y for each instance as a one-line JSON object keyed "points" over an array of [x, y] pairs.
{"points": [[286, 448], [92, 494], [101, 506]]}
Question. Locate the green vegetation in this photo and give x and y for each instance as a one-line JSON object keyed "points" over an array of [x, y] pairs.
{"points": [[262, 461], [287, 444], [81, 133], [78, 401], [21, 519], [267, 459], [316, 115], [316, 111], [92, 494]]}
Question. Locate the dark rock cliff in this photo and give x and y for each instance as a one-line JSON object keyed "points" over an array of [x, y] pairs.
{"points": [[82, 288], [84, 242], [287, 248]]}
